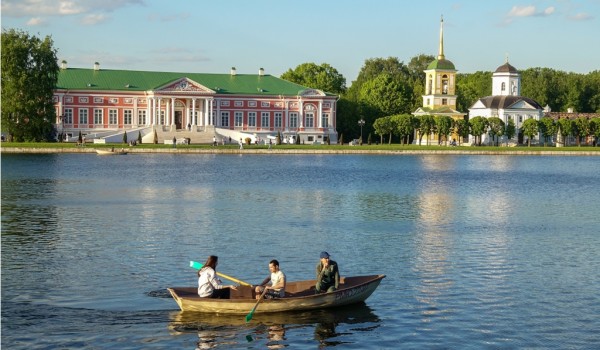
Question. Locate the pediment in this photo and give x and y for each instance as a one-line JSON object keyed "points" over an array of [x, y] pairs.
{"points": [[478, 105], [311, 92], [521, 104], [184, 85]]}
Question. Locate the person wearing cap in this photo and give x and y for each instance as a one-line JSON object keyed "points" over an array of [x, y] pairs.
{"points": [[277, 279], [328, 275]]}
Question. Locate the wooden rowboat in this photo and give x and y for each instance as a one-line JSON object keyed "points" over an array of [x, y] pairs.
{"points": [[108, 152], [300, 295]]}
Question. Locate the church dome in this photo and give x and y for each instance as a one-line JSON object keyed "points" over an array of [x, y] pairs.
{"points": [[506, 68], [441, 64]]}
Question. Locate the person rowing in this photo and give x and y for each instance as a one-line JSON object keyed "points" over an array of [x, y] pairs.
{"points": [[209, 286]]}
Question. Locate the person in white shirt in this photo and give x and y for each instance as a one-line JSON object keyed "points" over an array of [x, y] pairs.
{"points": [[277, 279], [209, 286]]}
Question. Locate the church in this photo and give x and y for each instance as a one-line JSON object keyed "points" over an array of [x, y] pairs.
{"points": [[105, 105], [506, 103], [440, 88]]}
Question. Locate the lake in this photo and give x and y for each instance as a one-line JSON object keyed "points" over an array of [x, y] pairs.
{"points": [[496, 252]]}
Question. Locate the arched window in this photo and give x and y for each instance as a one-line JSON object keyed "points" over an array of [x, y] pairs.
{"points": [[503, 86], [445, 84], [429, 84]]}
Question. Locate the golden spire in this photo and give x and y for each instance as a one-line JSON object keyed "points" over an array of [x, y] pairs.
{"points": [[441, 50]]}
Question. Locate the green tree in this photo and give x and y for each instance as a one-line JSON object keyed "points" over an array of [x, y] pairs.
{"points": [[530, 129], [582, 128], [29, 76], [443, 126], [426, 126], [139, 138], [595, 129], [385, 94], [125, 137], [564, 128], [496, 129], [478, 126], [547, 128], [461, 127], [323, 77], [384, 126], [510, 130], [405, 126]]}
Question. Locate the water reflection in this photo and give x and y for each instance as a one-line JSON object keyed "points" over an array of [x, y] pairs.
{"points": [[270, 330]]}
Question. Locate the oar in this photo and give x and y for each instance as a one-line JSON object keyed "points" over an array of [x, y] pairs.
{"points": [[198, 266], [249, 316]]}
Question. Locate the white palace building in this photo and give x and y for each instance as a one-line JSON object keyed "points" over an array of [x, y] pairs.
{"points": [[102, 105]]}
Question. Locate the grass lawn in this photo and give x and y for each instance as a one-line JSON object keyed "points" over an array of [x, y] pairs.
{"points": [[343, 148]]}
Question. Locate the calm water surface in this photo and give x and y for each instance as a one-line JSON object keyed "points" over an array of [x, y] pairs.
{"points": [[496, 252]]}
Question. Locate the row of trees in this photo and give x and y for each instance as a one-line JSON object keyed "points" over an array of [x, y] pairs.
{"points": [[388, 87], [405, 126]]}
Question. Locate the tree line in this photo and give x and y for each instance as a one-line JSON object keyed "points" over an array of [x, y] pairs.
{"points": [[384, 88], [388, 88]]}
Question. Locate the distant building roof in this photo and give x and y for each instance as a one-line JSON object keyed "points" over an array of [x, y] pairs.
{"points": [[504, 102], [125, 80], [441, 64], [506, 68], [570, 115]]}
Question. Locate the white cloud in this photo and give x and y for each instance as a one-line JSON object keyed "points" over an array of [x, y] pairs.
{"points": [[93, 19], [36, 21], [92, 11], [522, 11], [580, 17], [526, 11]]}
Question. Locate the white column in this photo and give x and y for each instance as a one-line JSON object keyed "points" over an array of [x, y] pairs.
{"points": [[320, 116], [153, 115], [148, 111], [172, 111], [193, 111]]}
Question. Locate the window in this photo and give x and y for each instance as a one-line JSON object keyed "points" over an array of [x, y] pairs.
{"points": [[265, 104], [238, 103], [252, 119], [224, 118], [278, 119], [503, 87], [444, 101], [141, 117], [112, 116], [68, 116], [445, 84], [98, 116], [212, 118], [239, 119], [83, 116], [429, 85], [161, 118], [309, 120], [293, 120], [264, 120], [325, 120], [127, 117], [520, 119]]}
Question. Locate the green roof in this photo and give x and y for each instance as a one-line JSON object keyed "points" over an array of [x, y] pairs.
{"points": [[441, 64], [125, 80]]}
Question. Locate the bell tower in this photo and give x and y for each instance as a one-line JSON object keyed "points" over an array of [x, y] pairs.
{"points": [[440, 79]]}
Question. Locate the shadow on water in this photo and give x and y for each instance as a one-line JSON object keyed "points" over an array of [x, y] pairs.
{"points": [[273, 329]]}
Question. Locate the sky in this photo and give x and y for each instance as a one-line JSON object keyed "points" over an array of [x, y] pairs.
{"points": [[277, 35]]}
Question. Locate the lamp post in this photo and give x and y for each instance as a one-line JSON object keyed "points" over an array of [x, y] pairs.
{"points": [[361, 123]]}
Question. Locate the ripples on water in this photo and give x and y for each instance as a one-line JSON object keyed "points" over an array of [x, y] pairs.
{"points": [[479, 252]]}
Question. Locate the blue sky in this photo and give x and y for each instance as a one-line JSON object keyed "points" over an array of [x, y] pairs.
{"points": [[213, 36]]}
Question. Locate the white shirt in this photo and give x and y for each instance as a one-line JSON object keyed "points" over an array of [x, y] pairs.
{"points": [[207, 282], [277, 277]]}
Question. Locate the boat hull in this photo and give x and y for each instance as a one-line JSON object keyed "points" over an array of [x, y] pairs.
{"points": [[301, 297], [109, 152]]}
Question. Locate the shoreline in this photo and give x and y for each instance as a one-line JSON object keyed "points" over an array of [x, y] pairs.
{"points": [[91, 150]]}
